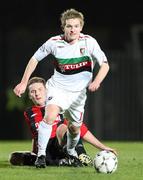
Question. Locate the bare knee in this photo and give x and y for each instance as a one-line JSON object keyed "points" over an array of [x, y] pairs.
{"points": [[61, 130], [73, 129], [51, 113]]}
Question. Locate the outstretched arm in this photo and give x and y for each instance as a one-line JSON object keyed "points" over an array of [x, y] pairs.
{"points": [[95, 84], [90, 138], [21, 87]]}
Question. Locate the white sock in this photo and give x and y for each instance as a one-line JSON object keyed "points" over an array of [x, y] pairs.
{"points": [[44, 133], [71, 143]]}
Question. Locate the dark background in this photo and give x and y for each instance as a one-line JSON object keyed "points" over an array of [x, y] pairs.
{"points": [[115, 112]]}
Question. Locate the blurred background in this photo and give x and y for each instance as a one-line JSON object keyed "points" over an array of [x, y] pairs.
{"points": [[115, 112]]}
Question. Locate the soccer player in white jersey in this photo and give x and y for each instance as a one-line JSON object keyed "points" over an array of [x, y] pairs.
{"points": [[75, 56]]}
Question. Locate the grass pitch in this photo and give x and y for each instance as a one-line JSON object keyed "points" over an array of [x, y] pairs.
{"points": [[130, 165]]}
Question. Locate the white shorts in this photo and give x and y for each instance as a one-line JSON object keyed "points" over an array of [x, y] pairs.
{"points": [[71, 103]]}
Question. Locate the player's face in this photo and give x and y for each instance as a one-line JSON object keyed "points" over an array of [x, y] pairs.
{"points": [[72, 30], [37, 93]]}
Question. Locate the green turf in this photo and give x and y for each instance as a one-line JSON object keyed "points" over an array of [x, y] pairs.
{"points": [[130, 166]]}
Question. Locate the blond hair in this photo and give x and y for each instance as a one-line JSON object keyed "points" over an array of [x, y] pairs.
{"points": [[71, 14]]}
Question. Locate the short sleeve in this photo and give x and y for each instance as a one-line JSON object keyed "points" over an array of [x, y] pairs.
{"points": [[44, 50]]}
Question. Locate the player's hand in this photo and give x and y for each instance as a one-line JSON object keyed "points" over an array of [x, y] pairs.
{"points": [[93, 86], [112, 150], [19, 89]]}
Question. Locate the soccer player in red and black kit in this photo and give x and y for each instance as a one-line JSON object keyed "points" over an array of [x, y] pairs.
{"points": [[54, 153]]}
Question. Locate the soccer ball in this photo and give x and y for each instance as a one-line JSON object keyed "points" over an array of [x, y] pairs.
{"points": [[105, 162]]}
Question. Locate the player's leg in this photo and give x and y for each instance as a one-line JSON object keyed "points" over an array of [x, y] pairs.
{"points": [[73, 136], [61, 134], [21, 158], [44, 133], [51, 152], [62, 139], [84, 158], [75, 117], [55, 155], [55, 101], [82, 154], [80, 148]]}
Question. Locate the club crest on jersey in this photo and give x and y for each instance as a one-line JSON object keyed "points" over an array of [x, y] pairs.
{"points": [[62, 67], [82, 51]]}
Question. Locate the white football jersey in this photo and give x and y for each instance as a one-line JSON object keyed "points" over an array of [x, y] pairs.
{"points": [[74, 63]]}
